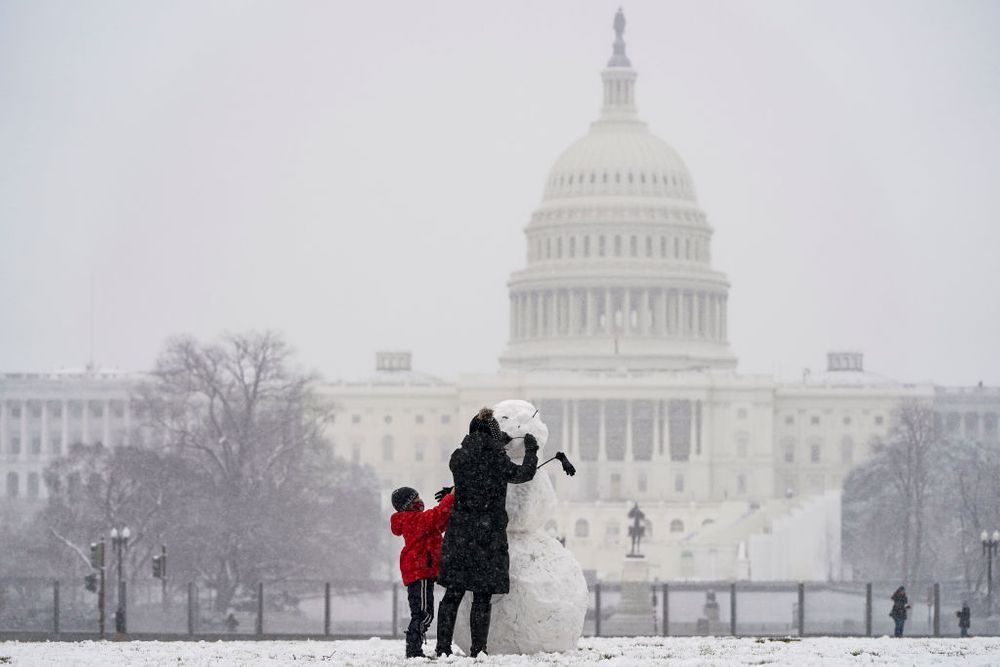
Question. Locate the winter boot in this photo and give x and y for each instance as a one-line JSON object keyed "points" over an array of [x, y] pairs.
{"points": [[447, 615], [414, 647]]}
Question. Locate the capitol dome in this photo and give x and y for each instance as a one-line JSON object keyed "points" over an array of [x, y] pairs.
{"points": [[620, 158], [618, 273]]}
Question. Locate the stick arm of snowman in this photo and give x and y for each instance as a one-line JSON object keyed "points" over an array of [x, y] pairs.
{"points": [[567, 467]]}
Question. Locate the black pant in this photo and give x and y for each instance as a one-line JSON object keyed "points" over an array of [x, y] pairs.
{"points": [[479, 619], [420, 595]]}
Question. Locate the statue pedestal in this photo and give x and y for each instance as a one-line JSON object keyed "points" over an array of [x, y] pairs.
{"points": [[635, 614]]}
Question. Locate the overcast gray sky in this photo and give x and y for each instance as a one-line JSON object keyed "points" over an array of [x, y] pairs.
{"points": [[357, 175]]}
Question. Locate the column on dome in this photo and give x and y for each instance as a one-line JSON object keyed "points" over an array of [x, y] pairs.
{"points": [[609, 325], [725, 318], [590, 316], [553, 312], [539, 313], [627, 311], [665, 312], [679, 314], [574, 313]]}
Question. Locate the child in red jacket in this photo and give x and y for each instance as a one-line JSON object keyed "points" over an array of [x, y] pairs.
{"points": [[419, 559]]}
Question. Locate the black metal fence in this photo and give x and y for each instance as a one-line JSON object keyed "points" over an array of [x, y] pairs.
{"points": [[62, 609]]}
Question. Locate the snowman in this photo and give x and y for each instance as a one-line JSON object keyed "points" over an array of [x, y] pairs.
{"points": [[545, 608]]}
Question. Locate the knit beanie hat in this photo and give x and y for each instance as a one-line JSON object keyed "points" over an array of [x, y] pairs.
{"points": [[402, 497]]}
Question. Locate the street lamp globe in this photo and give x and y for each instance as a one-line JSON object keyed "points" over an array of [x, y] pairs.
{"points": [[114, 534], [996, 535], [126, 533]]}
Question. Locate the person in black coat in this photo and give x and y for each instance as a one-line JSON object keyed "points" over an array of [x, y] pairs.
{"points": [[964, 619], [900, 603], [474, 555]]}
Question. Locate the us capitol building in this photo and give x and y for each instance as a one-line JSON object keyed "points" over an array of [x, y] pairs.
{"points": [[618, 334]]}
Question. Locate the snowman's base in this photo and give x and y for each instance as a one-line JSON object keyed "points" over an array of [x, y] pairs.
{"points": [[546, 606]]}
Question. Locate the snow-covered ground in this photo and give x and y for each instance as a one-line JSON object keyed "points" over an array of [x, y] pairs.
{"points": [[605, 651]]}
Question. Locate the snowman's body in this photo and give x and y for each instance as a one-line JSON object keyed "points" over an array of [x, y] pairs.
{"points": [[547, 603]]}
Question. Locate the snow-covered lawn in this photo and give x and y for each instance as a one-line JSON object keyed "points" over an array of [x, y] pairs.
{"points": [[605, 651]]}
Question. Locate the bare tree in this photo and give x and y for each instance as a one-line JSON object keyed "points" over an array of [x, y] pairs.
{"points": [[251, 427]]}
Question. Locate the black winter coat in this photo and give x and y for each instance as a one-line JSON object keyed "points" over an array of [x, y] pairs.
{"points": [[899, 604], [474, 555]]}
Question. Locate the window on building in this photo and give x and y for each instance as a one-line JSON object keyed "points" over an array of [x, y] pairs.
{"points": [[559, 247], [741, 484], [649, 246], [418, 419], [676, 526], [633, 247], [618, 246], [679, 482], [572, 243], [55, 445], [581, 529], [12, 485], [418, 451], [55, 410], [741, 413], [663, 246], [814, 420], [847, 451], [814, 453], [355, 419], [33, 485], [15, 445], [642, 482], [96, 410], [388, 448], [742, 445], [879, 420], [36, 445], [387, 419], [586, 246], [117, 409], [35, 410], [548, 248], [707, 522], [445, 419], [788, 451], [616, 485], [789, 420], [847, 421]]}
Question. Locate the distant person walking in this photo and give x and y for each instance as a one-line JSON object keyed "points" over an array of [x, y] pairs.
{"points": [[964, 619], [900, 603]]}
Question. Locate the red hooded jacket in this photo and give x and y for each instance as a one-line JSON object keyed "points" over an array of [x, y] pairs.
{"points": [[421, 531]]}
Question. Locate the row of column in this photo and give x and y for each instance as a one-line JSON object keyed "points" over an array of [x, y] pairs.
{"points": [[47, 429], [680, 313], [569, 435]]}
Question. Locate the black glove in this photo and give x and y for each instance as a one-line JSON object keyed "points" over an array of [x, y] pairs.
{"points": [[530, 444], [445, 490], [568, 467]]}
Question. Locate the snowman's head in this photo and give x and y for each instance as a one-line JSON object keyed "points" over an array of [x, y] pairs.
{"points": [[518, 418]]}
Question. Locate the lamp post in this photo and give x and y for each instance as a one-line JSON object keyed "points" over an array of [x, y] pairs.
{"points": [[119, 542], [990, 545]]}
